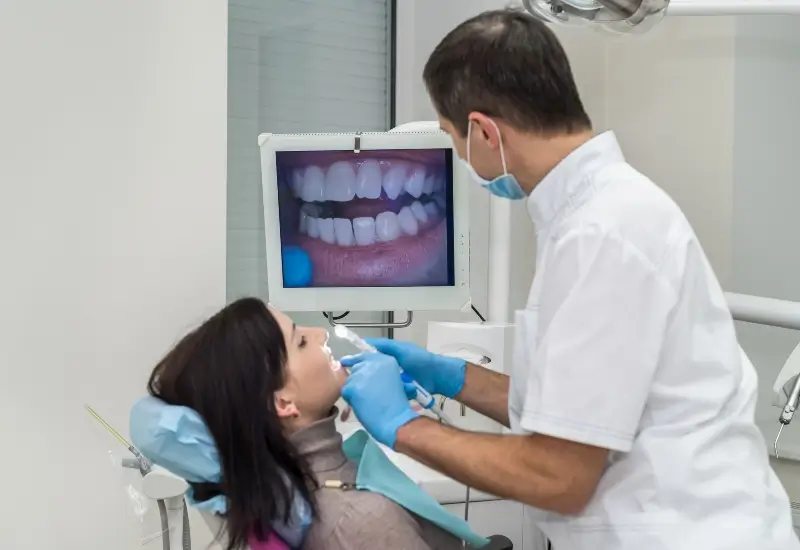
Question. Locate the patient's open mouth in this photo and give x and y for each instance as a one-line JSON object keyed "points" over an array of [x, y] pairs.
{"points": [[369, 219]]}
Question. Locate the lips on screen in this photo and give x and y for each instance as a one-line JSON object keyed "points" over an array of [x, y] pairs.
{"points": [[369, 219]]}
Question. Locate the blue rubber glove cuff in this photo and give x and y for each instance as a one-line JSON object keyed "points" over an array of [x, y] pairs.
{"points": [[453, 373], [388, 436]]}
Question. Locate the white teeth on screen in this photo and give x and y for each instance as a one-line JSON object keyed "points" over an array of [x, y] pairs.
{"points": [[407, 220], [343, 181], [343, 228], [313, 228], [326, 230], [297, 183], [313, 184], [364, 231], [340, 182], [395, 180], [386, 226], [368, 180], [416, 180], [419, 211], [307, 212]]}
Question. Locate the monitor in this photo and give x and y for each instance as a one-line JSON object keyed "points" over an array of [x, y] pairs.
{"points": [[365, 222]]}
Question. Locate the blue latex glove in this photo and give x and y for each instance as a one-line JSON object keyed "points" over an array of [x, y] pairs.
{"points": [[377, 395], [436, 373]]}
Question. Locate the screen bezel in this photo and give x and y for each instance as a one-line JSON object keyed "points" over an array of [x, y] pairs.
{"points": [[363, 298]]}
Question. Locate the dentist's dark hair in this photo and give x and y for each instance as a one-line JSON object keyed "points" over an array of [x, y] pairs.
{"points": [[228, 371], [508, 64]]}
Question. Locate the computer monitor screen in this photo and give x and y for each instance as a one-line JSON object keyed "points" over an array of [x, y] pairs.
{"points": [[378, 218], [376, 221]]}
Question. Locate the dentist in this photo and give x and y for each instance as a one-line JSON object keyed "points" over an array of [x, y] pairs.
{"points": [[630, 401]]}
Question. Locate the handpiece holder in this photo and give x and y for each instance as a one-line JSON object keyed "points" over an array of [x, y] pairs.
{"points": [[789, 409]]}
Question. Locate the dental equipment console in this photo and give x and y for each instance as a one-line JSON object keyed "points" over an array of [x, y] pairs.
{"points": [[776, 313]]}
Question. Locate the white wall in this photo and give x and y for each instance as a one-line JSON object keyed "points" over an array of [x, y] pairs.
{"points": [[669, 98], [112, 239]]}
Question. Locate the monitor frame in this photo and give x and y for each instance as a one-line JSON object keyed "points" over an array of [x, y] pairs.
{"points": [[423, 298]]}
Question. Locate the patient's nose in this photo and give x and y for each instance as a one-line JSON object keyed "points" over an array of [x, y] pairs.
{"points": [[320, 334]]}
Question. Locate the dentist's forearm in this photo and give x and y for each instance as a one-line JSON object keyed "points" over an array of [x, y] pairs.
{"points": [[486, 392], [537, 470]]}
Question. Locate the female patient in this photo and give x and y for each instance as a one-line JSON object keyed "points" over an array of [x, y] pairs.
{"points": [[266, 390]]}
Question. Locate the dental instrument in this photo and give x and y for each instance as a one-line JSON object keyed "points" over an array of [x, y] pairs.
{"points": [[423, 398], [141, 462]]}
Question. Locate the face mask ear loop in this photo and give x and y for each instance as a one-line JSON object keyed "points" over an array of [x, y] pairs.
{"points": [[500, 142]]}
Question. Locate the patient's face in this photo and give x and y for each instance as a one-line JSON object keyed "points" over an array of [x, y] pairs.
{"points": [[312, 386]]}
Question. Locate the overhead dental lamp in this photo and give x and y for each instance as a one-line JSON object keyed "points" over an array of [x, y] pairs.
{"points": [[638, 16]]}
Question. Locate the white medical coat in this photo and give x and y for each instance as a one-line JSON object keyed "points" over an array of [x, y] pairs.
{"points": [[626, 343]]}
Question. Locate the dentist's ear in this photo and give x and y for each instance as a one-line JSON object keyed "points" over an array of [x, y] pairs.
{"points": [[285, 407], [486, 128]]}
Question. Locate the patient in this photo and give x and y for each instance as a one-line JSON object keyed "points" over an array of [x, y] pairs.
{"points": [[266, 390]]}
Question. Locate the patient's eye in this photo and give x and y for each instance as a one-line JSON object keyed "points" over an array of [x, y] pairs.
{"points": [[303, 342]]}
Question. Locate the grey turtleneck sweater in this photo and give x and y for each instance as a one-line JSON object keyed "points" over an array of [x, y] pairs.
{"points": [[358, 520]]}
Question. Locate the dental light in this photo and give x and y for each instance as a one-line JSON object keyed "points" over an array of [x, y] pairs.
{"points": [[638, 16]]}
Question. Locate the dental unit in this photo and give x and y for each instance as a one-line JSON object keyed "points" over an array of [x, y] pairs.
{"points": [[177, 438], [775, 313]]}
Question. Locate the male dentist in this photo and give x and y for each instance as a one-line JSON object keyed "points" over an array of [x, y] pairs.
{"points": [[630, 400]]}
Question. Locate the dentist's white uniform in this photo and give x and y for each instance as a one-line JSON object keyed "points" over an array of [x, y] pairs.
{"points": [[627, 343]]}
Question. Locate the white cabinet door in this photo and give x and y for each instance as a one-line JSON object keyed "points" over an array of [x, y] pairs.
{"points": [[498, 517]]}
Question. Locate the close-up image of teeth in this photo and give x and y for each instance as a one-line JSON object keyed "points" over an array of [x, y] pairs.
{"points": [[374, 218]]}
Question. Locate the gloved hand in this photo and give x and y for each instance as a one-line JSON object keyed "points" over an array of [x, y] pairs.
{"points": [[436, 373], [377, 395]]}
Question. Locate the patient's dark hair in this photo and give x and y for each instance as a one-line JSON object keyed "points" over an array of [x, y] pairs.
{"points": [[228, 370]]}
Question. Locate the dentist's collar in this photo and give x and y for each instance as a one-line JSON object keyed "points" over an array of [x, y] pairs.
{"points": [[571, 178]]}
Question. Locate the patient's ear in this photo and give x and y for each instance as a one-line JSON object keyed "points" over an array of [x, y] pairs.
{"points": [[285, 406]]}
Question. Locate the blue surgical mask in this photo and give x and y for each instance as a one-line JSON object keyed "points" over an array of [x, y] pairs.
{"points": [[506, 185]]}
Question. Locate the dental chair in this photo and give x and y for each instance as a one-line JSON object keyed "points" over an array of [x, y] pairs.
{"points": [[172, 444], [168, 491]]}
